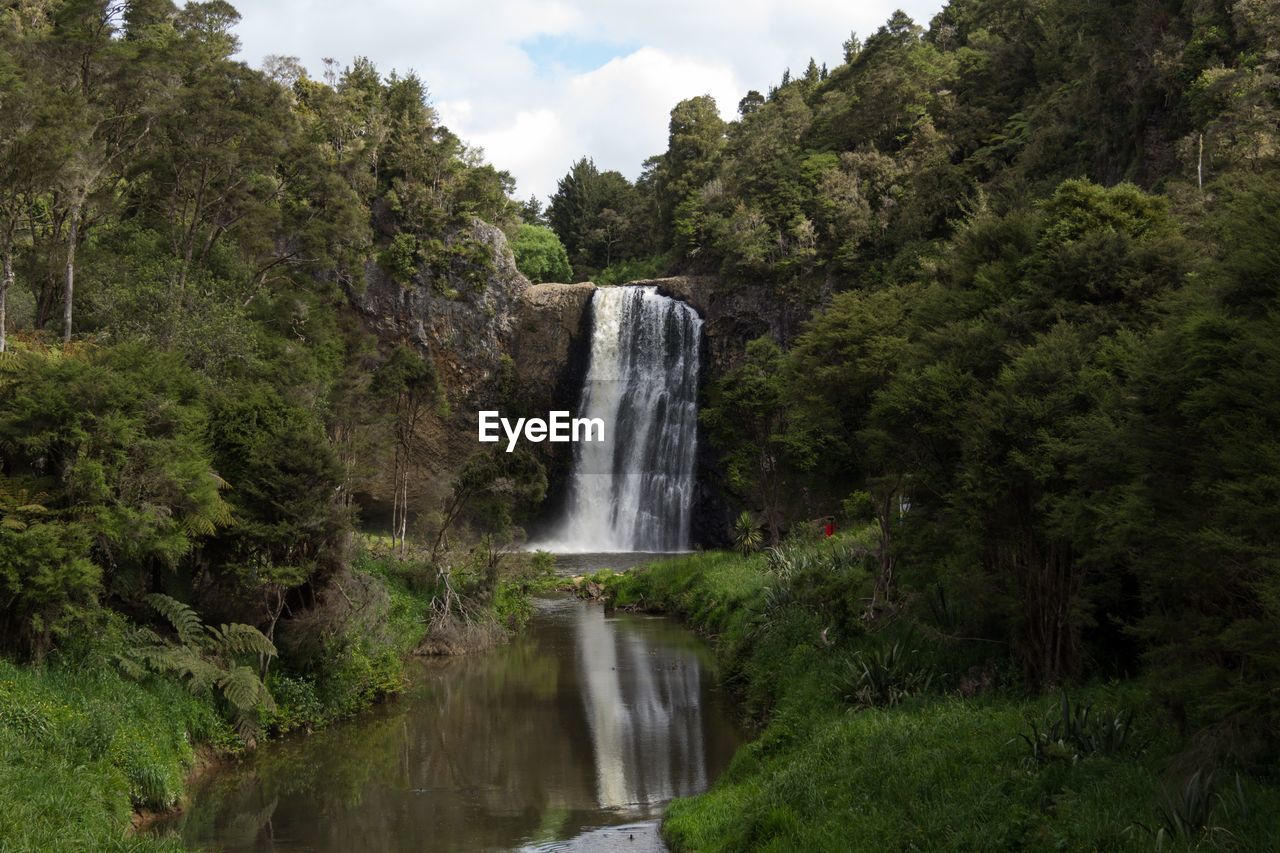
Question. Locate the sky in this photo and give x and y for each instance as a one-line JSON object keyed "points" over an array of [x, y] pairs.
{"points": [[539, 83]]}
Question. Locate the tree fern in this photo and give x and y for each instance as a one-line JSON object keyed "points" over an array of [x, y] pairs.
{"points": [[242, 688], [20, 504], [210, 514], [207, 659]]}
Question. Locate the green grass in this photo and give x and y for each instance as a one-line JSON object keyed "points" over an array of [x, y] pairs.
{"points": [[81, 747], [935, 772]]}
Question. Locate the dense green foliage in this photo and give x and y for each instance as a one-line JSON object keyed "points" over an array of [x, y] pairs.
{"points": [[937, 755], [188, 402], [1046, 365], [540, 255], [1057, 428], [601, 219], [842, 171], [203, 227]]}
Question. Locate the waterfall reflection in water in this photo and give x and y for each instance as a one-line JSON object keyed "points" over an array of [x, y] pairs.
{"points": [[644, 715], [585, 721]]}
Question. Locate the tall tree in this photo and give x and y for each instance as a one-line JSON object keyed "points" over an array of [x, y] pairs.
{"points": [[408, 380], [112, 85]]}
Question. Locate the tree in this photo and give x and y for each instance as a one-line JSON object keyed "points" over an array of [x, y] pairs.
{"points": [[48, 581], [843, 359], [409, 381], [30, 148], [117, 441], [747, 420], [695, 139], [495, 483], [750, 103], [109, 84], [532, 211], [211, 159], [282, 485], [540, 255], [1196, 426], [591, 214]]}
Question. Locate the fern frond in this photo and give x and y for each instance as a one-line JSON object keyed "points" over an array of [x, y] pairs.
{"points": [[182, 617], [206, 520], [242, 688], [132, 667], [238, 639], [247, 727]]}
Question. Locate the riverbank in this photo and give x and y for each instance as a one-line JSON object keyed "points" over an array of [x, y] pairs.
{"points": [[887, 735], [85, 749]]}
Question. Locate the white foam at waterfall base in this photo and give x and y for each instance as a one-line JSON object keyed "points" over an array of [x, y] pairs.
{"points": [[634, 491]]}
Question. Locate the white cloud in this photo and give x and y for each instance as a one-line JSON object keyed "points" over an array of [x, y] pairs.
{"points": [[536, 120]]}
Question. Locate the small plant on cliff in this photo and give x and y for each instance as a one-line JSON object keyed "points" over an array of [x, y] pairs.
{"points": [[401, 257], [747, 537], [209, 659]]}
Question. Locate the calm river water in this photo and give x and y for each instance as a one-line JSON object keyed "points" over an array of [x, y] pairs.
{"points": [[574, 737]]}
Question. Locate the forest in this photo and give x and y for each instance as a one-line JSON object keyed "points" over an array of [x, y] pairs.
{"points": [[1042, 237], [1038, 390], [1040, 386]]}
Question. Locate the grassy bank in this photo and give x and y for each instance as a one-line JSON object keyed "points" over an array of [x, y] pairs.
{"points": [[84, 749], [889, 735]]}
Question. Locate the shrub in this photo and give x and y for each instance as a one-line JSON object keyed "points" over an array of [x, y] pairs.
{"points": [[747, 535], [540, 255], [886, 673], [1079, 731]]}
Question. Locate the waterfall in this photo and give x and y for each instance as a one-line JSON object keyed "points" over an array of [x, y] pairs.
{"points": [[634, 491]]}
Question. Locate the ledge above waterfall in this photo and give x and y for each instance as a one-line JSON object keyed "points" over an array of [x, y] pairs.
{"points": [[553, 330]]}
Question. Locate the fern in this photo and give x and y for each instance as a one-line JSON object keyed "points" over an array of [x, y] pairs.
{"points": [[243, 640], [207, 659], [182, 617], [19, 504]]}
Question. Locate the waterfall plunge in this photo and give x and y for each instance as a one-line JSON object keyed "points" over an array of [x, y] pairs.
{"points": [[634, 491]]}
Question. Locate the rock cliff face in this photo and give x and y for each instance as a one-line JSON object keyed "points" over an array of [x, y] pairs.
{"points": [[734, 314], [463, 319], [551, 348], [552, 341]]}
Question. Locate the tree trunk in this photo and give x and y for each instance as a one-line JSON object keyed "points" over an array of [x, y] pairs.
{"points": [[68, 295], [1200, 166], [5, 284], [264, 661]]}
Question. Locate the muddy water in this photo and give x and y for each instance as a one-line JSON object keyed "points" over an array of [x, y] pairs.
{"points": [[574, 737]]}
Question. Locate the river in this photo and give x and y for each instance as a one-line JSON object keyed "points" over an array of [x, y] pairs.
{"points": [[573, 737]]}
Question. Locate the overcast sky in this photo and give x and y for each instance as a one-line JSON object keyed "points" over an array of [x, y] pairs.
{"points": [[539, 83]]}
